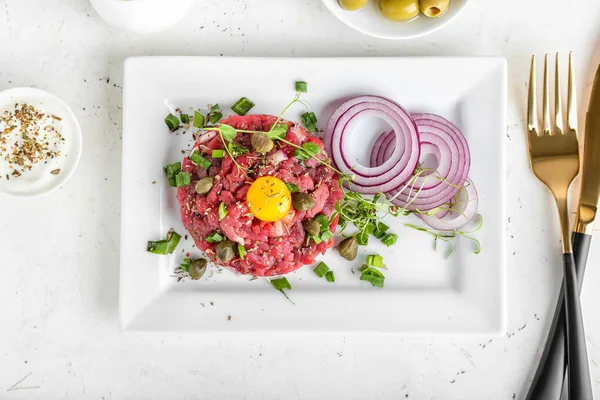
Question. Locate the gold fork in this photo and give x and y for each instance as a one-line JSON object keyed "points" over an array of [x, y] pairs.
{"points": [[554, 157]]}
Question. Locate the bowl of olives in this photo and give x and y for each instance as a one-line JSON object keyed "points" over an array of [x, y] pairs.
{"points": [[396, 19]]}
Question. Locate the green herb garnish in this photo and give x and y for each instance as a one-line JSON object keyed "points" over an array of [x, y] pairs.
{"points": [[172, 122], [309, 120], [375, 260], [166, 246], [222, 211], [182, 179], [241, 251], [185, 265], [389, 239], [301, 87], [199, 160], [218, 154], [236, 150], [321, 269], [329, 276], [198, 120], [242, 106], [307, 150], [291, 187], [281, 283], [214, 237], [214, 114], [373, 276]]}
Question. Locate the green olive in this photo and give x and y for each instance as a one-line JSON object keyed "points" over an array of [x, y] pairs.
{"points": [[353, 5], [348, 248], [197, 268], [226, 251], [434, 8], [312, 226], [204, 185], [302, 201], [261, 142], [399, 10]]}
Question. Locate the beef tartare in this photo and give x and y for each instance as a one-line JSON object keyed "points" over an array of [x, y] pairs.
{"points": [[257, 214]]}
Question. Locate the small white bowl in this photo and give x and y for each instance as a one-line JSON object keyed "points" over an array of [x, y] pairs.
{"points": [[39, 180], [370, 21], [142, 16]]}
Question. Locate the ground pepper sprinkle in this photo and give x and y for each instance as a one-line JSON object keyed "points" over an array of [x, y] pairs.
{"points": [[28, 137]]}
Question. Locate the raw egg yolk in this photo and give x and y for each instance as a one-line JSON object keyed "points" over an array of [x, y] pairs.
{"points": [[269, 199]]}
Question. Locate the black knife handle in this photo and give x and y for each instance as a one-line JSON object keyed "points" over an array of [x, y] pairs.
{"points": [[580, 381], [548, 380], [581, 249]]}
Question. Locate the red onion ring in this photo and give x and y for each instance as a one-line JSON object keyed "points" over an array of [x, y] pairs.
{"points": [[462, 210], [427, 193], [405, 155]]}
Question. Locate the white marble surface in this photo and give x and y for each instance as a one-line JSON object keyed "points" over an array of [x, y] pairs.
{"points": [[59, 254]]}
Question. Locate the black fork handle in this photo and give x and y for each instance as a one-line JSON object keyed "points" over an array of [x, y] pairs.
{"points": [[548, 381]]}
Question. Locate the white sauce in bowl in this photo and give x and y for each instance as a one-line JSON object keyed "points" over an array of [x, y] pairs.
{"points": [[40, 142]]}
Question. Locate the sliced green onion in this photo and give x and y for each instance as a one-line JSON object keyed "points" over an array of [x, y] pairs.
{"points": [[172, 122], [381, 230], [185, 118], [325, 236], [370, 228], [215, 116], [198, 120], [182, 179], [321, 269], [199, 160], [316, 239], [166, 246], [214, 237], [173, 169], [281, 283], [373, 276], [362, 239], [291, 187], [218, 153], [389, 239], [242, 106], [309, 120], [222, 211], [329, 276], [241, 251], [301, 87], [375, 260], [158, 247]]}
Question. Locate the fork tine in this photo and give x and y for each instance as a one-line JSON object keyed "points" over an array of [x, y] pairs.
{"points": [[558, 115], [546, 101], [532, 119], [571, 98]]}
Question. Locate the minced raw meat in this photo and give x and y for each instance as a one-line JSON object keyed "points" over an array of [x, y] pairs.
{"points": [[273, 248]]}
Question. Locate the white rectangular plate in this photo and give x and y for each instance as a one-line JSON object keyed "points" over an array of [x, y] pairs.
{"points": [[423, 294]]}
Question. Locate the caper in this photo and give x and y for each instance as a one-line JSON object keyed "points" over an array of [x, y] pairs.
{"points": [[348, 248], [197, 268], [204, 185], [226, 251], [312, 226], [302, 201], [261, 142]]}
